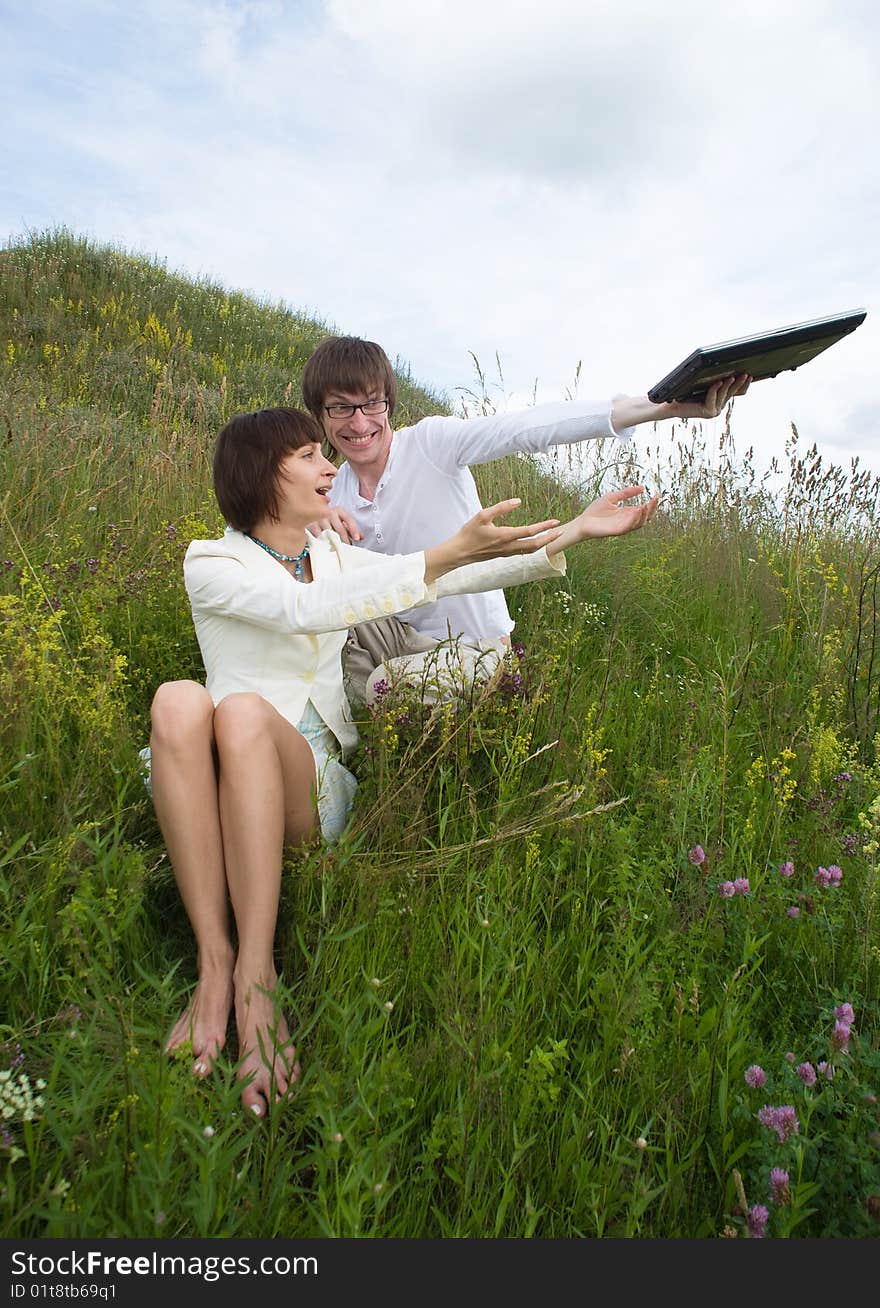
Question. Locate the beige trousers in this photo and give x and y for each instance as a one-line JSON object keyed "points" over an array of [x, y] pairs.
{"points": [[389, 654]]}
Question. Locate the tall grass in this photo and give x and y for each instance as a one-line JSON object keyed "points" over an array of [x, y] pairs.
{"points": [[567, 919]]}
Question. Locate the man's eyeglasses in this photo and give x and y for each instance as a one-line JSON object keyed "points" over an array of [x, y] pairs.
{"points": [[371, 409]]}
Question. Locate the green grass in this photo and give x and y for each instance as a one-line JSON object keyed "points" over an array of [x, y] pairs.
{"points": [[522, 1010]]}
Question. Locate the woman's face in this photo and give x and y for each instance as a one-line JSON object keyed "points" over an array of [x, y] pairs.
{"points": [[304, 479]]}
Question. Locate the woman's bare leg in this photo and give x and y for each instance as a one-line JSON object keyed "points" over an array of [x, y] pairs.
{"points": [[267, 800], [184, 781]]}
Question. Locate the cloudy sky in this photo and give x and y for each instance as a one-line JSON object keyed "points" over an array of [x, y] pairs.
{"points": [[555, 182]]}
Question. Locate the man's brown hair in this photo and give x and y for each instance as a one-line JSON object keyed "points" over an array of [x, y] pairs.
{"points": [[247, 454], [350, 365]]}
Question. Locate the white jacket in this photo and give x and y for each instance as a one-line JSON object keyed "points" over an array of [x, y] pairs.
{"points": [[261, 630]]}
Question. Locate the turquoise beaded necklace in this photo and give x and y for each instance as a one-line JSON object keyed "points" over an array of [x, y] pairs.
{"points": [[298, 560]]}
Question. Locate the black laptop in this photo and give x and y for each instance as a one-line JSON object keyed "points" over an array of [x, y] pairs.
{"points": [[762, 355]]}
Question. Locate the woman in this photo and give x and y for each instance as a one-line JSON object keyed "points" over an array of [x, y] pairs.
{"points": [[249, 764]]}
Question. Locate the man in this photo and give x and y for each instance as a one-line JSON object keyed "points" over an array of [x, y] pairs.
{"points": [[407, 490]]}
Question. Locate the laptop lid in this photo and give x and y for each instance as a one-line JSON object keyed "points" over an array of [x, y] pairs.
{"points": [[762, 355]]}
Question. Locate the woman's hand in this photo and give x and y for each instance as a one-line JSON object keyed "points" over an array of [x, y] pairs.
{"points": [[609, 515], [481, 539]]}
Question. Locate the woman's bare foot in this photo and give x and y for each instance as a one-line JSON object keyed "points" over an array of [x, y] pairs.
{"points": [[268, 1064], [204, 1021]]}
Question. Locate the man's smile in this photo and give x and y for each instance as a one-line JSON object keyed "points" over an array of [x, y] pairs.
{"points": [[360, 439]]}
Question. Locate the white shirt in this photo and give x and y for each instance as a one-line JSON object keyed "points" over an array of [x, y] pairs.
{"points": [[427, 492]]}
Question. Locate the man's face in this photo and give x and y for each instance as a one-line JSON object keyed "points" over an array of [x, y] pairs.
{"points": [[362, 438]]}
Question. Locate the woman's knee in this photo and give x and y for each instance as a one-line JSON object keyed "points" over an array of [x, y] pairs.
{"points": [[181, 711], [240, 719]]}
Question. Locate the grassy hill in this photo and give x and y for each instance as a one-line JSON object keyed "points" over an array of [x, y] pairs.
{"points": [[531, 984]]}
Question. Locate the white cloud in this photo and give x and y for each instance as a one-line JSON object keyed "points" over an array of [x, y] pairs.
{"points": [[608, 182]]}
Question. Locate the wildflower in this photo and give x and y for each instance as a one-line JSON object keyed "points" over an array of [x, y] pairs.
{"points": [[786, 869], [794, 911], [828, 876], [511, 684], [380, 688], [697, 855], [846, 1013], [782, 1120], [388, 1005], [741, 886], [641, 1143], [842, 777], [337, 1138], [208, 1132], [17, 1098], [758, 1219], [727, 890], [840, 1036], [378, 1187], [789, 1057], [755, 1077], [826, 1070], [788, 1121], [375, 981], [780, 1192], [807, 1073], [485, 922]]}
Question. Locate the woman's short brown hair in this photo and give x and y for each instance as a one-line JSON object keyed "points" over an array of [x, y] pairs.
{"points": [[247, 454], [350, 365]]}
